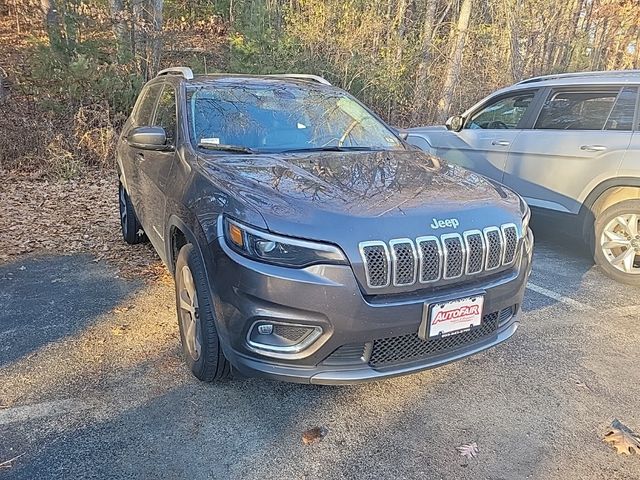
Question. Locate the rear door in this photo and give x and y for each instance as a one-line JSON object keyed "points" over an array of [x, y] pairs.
{"points": [[483, 144], [155, 168], [579, 139]]}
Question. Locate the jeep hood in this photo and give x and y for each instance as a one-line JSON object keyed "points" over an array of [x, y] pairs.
{"points": [[355, 196]]}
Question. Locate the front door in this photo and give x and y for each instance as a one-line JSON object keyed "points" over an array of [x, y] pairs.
{"points": [[578, 140], [484, 143], [155, 168]]}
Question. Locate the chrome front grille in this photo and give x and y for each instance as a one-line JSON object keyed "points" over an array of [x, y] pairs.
{"points": [[428, 259]]}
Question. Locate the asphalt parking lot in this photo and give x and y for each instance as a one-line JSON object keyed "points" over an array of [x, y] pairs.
{"points": [[92, 386]]}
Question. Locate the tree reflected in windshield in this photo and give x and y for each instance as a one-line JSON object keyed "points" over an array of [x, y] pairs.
{"points": [[277, 117]]}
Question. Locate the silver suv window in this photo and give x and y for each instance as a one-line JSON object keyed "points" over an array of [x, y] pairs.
{"points": [[609, 108], [505, 112], [621, 117]]}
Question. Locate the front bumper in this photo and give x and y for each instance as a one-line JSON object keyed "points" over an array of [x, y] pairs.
{"points": [[328, 296]]}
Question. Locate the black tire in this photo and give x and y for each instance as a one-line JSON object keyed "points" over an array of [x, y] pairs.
{"points": [[210, 364], [132, 231], [601, 259]]}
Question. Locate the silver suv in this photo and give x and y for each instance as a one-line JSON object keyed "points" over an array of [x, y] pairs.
{"points": [[570, 145]]}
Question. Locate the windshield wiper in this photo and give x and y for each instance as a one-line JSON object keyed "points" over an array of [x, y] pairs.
{"points": [[331, 148], [226, 148]]}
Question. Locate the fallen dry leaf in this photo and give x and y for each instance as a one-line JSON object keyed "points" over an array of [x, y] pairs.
{"points": [[314, 435], [120, 329], [468, 450], [622, 438]]}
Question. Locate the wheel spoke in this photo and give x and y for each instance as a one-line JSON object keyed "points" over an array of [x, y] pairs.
{"points": [[615, 244], [632, 224], [613, 236], [625, 260], [185, 303]]}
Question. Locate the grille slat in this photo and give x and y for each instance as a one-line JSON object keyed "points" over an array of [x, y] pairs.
{"points": [[376, 260], [430, 259], [475, 251], [493, 240], [409, 348], [454, 256], [510, 243], [403, 262]]}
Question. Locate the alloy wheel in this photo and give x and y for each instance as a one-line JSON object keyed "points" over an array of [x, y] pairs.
{"points": [[189, 316], [620, 243]]}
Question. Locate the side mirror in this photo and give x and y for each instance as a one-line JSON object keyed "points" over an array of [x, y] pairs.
{"points": [[455, 123], [149, 138]]}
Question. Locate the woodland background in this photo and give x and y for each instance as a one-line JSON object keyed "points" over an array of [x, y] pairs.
{"points": [[70, 70]]}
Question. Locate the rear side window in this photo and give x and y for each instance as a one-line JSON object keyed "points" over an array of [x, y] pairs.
{"points": [[577, 110], [166, 113], [621, 117], [144, 111]]}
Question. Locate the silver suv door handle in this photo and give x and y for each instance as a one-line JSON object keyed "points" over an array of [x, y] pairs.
{"points": [[500, 143], [593, 148]]}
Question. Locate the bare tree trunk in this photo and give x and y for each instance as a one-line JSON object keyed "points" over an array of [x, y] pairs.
{"points": [[120, 30], [156, 41], [454, 65], [515, 55], [422, 72]]}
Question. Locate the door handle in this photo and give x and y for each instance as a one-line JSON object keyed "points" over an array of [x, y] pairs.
{"points": [[500, 143], [593, 148], [139, 157]]}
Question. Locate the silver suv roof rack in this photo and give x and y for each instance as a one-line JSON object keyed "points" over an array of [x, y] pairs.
{"points": [[610, 73], [302, 76], [184, 71]]}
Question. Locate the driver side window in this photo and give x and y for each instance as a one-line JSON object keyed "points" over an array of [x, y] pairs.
{"points": [[503, 113]]}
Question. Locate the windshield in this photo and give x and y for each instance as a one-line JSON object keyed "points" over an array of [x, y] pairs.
{"points": [[277, 117]]}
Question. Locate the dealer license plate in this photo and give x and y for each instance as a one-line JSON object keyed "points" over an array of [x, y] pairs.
{"points": [[448, 318]]}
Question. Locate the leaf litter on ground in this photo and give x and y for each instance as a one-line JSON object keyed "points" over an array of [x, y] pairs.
{"points": [[622, 438], [70, 217]]}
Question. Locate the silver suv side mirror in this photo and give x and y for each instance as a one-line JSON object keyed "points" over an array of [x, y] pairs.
{"points": [[454, 123]]}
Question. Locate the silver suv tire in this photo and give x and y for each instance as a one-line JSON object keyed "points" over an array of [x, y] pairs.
{"points": [[617, 241]]}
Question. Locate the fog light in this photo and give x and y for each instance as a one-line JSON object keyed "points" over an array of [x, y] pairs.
{"points": [[265, 329], [285, 338]]}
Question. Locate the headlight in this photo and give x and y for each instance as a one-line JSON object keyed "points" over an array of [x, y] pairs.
{"points": [[270, 248]]}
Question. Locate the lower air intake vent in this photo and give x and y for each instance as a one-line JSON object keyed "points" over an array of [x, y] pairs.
{"points": [[411, 348]]}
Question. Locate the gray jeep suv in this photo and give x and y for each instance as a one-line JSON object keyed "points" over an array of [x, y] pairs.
{"points": [[308, 242], [570, 145]]}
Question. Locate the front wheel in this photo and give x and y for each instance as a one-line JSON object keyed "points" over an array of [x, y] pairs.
{"points": [[617, 242], [196, 319]]}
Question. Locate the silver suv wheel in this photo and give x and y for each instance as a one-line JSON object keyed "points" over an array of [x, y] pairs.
{"points": [[620, 243], [617, 234]]}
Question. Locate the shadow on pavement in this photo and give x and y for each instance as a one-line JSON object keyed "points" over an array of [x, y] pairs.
{"points": [[43, 299]]}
